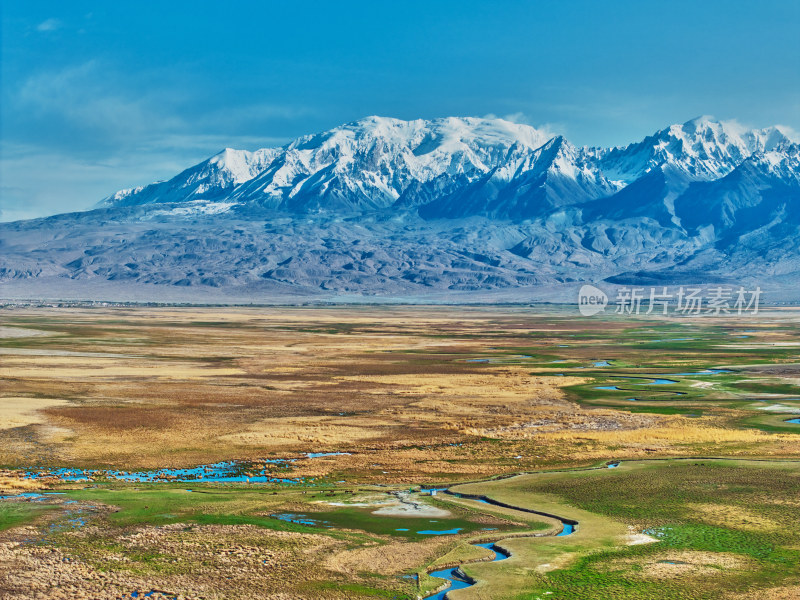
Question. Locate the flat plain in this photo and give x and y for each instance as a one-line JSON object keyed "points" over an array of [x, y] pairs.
{"points": [[284, 452]]}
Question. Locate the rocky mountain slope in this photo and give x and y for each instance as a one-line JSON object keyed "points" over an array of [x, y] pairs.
{"points": [[422, 209]]}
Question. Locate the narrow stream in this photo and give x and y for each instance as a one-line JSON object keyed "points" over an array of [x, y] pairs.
{"points": [[454, 575]]}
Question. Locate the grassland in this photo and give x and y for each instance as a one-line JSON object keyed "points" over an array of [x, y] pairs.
{"points": [[725, 529], [432, 395]]}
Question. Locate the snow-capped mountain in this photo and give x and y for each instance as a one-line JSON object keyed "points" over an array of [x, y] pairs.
{"points": [[371, 163], [530, 185], [410, 208], [700, 149], [211, 179]]}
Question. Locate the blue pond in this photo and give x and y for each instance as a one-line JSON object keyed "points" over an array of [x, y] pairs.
{"points": [[797, 421], [321, 454], [31, 496], [602, 363], [440, 531], [226, 471], [299, 519], [703, 372], [607, 387]]}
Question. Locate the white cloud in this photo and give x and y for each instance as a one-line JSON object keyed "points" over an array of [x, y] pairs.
{"points": [[106, 108], [98, 130], [549, 129], [88, 96], [37, 182], [49, 25], [789, 132]]}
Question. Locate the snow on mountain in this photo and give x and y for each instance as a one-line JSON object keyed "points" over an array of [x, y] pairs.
{"points": [[408, 208], [763, 190], [533, 184], [454, 167], [211, 179], [666, 163], [372, 162], [700, 149]]}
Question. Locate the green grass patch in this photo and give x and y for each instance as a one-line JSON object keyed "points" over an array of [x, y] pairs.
{"points": [[14, 514]]}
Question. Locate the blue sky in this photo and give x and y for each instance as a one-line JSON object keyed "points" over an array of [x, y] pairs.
{"points": [[97, 96]]}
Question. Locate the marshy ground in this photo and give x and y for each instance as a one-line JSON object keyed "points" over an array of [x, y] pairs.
{"points": [[394, 398]]}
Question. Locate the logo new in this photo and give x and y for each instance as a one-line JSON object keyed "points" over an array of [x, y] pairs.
{"points": [[591, 300]]}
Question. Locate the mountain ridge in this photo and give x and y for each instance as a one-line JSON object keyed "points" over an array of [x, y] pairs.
{"points": [[382, 206]]}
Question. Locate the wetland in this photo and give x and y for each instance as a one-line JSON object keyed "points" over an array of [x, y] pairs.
{"points": [[397, 452]]}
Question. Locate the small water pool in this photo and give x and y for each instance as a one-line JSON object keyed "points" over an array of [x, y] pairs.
{"points": [[148, 594], [31, 495], [322, 454], [703, 372], [226, 471], [300, 519], [432, 491], [453, 531]]}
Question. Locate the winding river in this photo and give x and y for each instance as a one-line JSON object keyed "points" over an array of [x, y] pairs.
{"points": [[453, 575], [458, 580]]}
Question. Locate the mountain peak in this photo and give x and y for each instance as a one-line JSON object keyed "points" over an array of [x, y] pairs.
{"points": [[377, 161], [457, 203]]}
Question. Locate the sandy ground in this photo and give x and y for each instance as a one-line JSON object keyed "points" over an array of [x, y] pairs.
{"points": [[636, 539], [406, 505]]}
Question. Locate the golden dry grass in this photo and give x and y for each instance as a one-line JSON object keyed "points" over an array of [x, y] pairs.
{"points": [[20, 411], [736, 517], [392, 385], [676, 564]]}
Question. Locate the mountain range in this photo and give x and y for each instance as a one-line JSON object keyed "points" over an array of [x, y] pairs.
{"points": [[432, 209]]}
